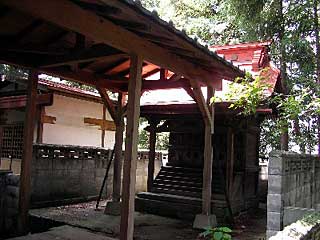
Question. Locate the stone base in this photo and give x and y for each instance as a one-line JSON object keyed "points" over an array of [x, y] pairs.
{"points": [[204, 221], [113, 208]]}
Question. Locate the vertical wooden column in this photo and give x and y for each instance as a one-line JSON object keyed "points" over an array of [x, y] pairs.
{"points": [[103, 130], [152, 152], [117, 167], [130, 156], [208, 158], [230, 160], [207, 172], [25, 176]]}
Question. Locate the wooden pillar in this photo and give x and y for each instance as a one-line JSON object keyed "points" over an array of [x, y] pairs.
{"points": [[25, 176], [230, 160], [103, 130], [117, 167], [152, 152], [130, 156], [208, 158], [207, 172], [40, 124]]}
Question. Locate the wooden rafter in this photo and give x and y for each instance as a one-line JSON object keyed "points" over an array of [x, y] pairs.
{"points": [[24, 33], [148, 74], [103, 30], [174, 77], [83, 56]]}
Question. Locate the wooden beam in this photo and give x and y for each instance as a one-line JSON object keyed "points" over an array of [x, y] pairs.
{"points": [[230, 161], [130, 156], [175, 77], [21, 101], [158, 84], [102, 30], [104, 124], [24, 33], [98, 54], [107, 102], [148, 74], [152, 152], [190, 93], [201, 102], [25, 176]]}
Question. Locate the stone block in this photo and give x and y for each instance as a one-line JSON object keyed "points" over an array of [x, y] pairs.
{"points": [[12, 212], [270, 233], [11, 202], [274, 202], [275, 163], [274, 221], [204, 221], [12, 191], [113, 208], [13, 180], [275, 184]]}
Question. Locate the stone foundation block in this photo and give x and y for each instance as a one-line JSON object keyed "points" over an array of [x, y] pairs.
{"points": [[204, 221], [113, 208]]}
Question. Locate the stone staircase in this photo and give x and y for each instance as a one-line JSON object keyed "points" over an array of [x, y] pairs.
{"points": [[177, 192]]}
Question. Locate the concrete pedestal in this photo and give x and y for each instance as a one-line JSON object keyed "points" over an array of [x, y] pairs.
{"points": [[204, 221], [113, 208]]}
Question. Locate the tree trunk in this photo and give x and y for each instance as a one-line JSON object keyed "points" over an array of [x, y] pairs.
{"points": [[284, 139], [316, 33]]}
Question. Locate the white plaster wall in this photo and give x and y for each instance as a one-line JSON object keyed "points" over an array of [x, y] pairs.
{"points": [[69, 128]]}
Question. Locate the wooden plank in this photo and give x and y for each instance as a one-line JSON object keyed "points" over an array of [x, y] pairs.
{"points": [[130, 156], [25, 176], [104, 124], [102, 30], [152, 152], [48, 119], [117, 165]]}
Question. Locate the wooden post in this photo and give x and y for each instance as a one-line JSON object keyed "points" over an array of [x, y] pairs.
{"points": [[103, 130], [208, 158], [207, 172], [117, 165], [130, 156], [152, 152], [25, 176], [40, 125], [230, 161]]}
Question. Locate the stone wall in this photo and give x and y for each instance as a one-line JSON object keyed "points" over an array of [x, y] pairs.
{"points": [[9, 199], [294, 183], [308, 228], [62, 174]]}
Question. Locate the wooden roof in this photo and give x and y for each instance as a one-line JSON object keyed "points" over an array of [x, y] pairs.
{"points": [[91, 41]]}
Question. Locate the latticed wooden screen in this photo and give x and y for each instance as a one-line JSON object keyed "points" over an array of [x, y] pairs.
{"points": [[12, 140]]}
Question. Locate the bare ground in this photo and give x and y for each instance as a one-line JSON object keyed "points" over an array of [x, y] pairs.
{"points": [[248, 227]]}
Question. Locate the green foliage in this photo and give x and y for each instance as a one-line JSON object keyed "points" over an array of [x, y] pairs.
{"points": [[162, 139], [218, 233], [247, 94]]}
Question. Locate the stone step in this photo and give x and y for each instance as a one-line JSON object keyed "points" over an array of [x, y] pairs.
{"points": [[178, 182], [178, 186], [176, 192]]}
